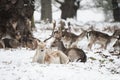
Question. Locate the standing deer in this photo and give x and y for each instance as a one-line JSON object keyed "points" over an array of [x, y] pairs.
{"points": [[69, 36], [100, 38], [73, 38], [74, 54]]}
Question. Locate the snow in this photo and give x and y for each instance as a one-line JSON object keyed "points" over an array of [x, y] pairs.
{"points": [[87, 15], [16, 64], [37, 15]]}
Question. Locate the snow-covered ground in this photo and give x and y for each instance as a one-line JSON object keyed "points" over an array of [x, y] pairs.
{"points": [[16, 64]]}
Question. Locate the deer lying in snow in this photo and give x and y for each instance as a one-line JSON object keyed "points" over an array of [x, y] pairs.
{"points": [[29, 42], [100, 38], [9, 43], [74, 54], [47, 56]]}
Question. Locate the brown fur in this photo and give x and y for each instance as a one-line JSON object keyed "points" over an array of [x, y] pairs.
{"points": [[32, 44], [117, 45], [74, 54], [116, 33], [47, 56], [68, 36], [56, 57], [98, 37], [10, 43]]}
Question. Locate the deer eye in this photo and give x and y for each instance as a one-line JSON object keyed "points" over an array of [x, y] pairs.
{"points": [[42, 50]]}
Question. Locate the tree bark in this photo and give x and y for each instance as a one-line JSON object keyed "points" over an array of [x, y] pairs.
{"points": [[46, 10], [116, 10], [68, 8], [32, 22]]}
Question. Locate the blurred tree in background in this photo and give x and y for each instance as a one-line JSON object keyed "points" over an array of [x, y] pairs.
{"points": [[116, 10], [69, 8], [46, 10], [16, 16]]}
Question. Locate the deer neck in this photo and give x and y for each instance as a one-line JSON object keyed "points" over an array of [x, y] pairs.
{"points": [[41, 56], [62, 47], [83, 34]]}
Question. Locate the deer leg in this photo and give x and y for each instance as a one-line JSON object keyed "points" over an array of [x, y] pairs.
{"points": [[91, 43], [105, 46], [102, 46], [119, 51]]}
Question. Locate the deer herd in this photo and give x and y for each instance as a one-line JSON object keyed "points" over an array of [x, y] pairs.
{"points": [[58, 53]]}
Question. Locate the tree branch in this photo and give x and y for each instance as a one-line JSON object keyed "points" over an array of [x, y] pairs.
{"points": [[58, 2]]}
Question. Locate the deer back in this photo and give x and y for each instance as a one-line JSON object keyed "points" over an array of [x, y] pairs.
{"points": [[76, 54]]}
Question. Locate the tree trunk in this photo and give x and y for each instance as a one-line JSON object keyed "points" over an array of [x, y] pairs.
{"points": [[46, 10], [116, 10], [32, 22], [68, 8]]}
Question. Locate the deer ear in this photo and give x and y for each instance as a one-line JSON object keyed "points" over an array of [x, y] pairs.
{"points": [[82, 29], [38, 42]]}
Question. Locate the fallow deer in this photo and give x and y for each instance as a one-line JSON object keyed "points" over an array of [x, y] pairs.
{"points": [[10, 43], [66, 34], [73, 38], [47, 56], [74, 54], [31, 43], [69, 36], [100, 38], [28, 42]]}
